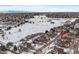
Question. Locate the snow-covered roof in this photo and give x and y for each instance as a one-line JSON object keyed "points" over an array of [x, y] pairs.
{"points": [[77, 21]]}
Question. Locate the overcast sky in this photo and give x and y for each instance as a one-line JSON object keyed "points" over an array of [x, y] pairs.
{"points": [[41, 8]]}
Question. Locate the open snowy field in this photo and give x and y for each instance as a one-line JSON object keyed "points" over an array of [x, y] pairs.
{"points": [[39, 25]]}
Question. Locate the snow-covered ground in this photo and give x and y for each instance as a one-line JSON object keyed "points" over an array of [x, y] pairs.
{"points": [[40, 25]]}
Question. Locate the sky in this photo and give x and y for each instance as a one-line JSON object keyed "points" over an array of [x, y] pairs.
{"points": [[41, 8]]}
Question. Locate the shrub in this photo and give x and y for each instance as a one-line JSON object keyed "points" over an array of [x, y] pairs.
{"points": [[9, 44], [3, 48]]}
